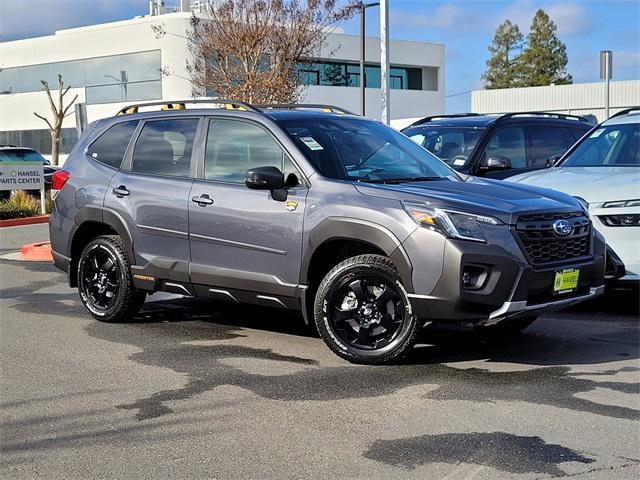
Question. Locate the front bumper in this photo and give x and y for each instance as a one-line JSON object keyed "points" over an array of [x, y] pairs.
{"points": [[512, 288], [510, 310]]}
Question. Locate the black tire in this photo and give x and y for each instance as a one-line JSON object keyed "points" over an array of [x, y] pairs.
{"points": [[105, 282], [374, 308]]}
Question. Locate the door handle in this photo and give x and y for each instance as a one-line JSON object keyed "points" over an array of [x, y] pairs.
{"points": [[121, 191], [203, 200]]}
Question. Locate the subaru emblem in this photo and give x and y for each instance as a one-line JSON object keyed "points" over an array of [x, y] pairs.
{"points": [[562, 228]]}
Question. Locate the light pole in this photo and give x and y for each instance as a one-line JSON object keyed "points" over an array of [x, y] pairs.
{"points": [[384, 60], [122, 81], [606, 64], [363, 8]]}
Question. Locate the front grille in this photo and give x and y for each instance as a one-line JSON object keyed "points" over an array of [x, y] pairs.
{"points": [[542, 245]]}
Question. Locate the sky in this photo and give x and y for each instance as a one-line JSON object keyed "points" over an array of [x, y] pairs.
{"points": [[465, 27]]}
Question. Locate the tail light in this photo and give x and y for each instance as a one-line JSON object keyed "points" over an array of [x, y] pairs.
{"points": [[58, 179]]}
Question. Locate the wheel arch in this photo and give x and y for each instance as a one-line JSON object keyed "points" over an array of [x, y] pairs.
{"points": [[92, 223], [337, 239]]}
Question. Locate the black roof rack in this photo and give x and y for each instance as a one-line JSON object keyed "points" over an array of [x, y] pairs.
{"points": [[624, 112], [303, 106], [449, 115], [182, 105], [563, 116], [8, 145]]}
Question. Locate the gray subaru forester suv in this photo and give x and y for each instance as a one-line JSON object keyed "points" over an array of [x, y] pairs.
{"points": [[341, 217]]}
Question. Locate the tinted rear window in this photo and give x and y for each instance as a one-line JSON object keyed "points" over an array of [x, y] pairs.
{"points": [[111, 146], [20, 155]]}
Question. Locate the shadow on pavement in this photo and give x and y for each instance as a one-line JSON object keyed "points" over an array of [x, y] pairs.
{"points": [[166, 332]]}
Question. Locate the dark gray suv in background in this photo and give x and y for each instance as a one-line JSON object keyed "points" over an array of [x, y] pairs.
{"points": [[341, 217], [499, 146]]}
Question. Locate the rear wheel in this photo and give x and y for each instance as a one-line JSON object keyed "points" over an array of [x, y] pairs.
{"points": [[363, 313], [105, 282]]}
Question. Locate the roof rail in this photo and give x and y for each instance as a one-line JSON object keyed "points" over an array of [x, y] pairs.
{"points": [[449, 115], [563, 116], [624, 112], [303, 106], [182, 105]]}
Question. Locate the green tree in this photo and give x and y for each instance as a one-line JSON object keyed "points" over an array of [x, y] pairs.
{"points": [[503, 65], [544, 60]]}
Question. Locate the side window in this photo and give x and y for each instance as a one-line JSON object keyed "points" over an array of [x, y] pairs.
{"points": [[577, 133], [110, 147], [419, 138], [508, 142], [164, 147], [233, 147], [544, 142]]}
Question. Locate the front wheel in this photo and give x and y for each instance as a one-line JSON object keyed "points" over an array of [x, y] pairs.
{"points": [[105, 282], [363, 312]]}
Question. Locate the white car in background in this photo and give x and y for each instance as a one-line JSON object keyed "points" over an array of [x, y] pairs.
{"points": [[603, 169]]}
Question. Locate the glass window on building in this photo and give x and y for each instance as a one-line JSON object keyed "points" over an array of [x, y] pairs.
{"points": [[40, 139], [348, 75], [113, 78]]}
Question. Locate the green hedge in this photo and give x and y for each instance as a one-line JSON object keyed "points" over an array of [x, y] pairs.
{"points": [[22, 204]]}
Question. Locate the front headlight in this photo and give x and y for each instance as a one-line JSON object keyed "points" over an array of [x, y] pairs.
{"points": [[451, 223], [584, 203], [622, 204]]}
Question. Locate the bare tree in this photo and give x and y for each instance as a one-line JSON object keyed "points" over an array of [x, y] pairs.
{"points": [[250, 49], [59, 112]]}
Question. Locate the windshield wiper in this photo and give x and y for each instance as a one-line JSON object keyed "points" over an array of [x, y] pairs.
{"points": [[394, 181]]}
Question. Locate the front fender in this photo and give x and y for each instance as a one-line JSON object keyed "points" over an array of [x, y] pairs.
{"points": [[345, 228]]}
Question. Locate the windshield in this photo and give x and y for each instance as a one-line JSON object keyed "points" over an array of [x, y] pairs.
{"points": [[20, 155], [453, 145], [608, 146], [363, 150]]}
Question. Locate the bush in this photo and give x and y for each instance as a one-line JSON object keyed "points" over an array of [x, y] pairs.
{"points": [[23, 204]]}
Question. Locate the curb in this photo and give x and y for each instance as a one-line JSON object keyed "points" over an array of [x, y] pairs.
{"points": [[15, 222], [36, 252]]}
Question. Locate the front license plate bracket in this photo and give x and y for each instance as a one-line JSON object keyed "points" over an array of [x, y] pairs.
{"points": [[566, 280]]}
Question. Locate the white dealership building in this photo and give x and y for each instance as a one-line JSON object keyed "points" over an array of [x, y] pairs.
{"points": [[113, 64], [576, 99]]}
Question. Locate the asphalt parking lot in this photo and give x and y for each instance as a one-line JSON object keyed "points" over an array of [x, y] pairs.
{"points": [[192, 389]]}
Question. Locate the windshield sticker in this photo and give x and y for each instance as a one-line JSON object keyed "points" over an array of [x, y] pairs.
{"points": [[458, 162], [597, 133], [311, 143]]}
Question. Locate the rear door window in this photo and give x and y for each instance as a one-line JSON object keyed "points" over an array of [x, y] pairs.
{"points": [[544, 142], [164, 147], [509, 143], [111, 146]]}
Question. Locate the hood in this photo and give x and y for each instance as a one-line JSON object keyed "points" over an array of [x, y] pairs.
{"points": [[594, 184], [477, 195]]}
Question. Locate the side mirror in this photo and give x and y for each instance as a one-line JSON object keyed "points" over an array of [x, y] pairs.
{"points": [[552, 160], [264, 178], [496, 162]]}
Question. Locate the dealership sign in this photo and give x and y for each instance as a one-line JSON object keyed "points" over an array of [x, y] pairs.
{"points": [[21, 176]]}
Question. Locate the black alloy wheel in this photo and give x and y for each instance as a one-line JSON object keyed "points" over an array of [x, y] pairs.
{"points": [[363, 312], [105, 281], [100, 278], [367, 311]]}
